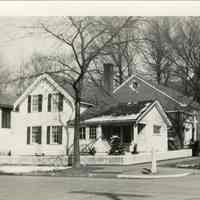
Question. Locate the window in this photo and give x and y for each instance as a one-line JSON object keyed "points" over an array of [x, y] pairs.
{"points": [[93, 134], [35, 103], [156, 129], [55, 102], [82, 133], [54, 135], [5, 118], [134, 85], [34, 135]]}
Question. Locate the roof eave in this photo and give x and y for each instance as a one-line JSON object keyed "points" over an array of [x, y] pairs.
{"points": [[109, 122]]}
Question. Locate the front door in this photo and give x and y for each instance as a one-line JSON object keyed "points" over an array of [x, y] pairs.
{"points": [[123, 131]]}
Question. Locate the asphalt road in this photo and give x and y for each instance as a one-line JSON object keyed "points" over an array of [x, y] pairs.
{"points": [[62, 188]]}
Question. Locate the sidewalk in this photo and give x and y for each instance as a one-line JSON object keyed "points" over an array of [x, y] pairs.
{"points": [[136, 171], [104, 171]]}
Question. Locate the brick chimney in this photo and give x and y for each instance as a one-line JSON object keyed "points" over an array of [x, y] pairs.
{"points": [[108, 77]]}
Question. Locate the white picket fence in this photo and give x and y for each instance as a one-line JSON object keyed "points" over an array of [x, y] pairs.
{"points": [[133, 158], [93, 160], [34, 160]]}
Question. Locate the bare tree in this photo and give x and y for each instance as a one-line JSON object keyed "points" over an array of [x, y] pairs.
{"points": [[185, 44], [84, 39], [155, 49], [123, 52], [36, 65]]}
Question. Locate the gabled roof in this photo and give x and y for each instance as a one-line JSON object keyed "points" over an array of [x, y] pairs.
{"points": [[126, 112], [55, 83], [92, 93], [149, 90]]}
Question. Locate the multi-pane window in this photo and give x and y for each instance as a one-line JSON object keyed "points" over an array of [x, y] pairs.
{"points": [[93, 134], [56, 132], [5, 118], [156, 129], [35, 103], [34, 135], [55, 102], [54, 135], [82, 133]]}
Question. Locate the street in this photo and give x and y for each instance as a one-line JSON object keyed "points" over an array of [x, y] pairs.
{"points": [[64, 188]]}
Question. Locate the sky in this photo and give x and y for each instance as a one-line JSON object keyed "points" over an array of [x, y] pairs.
{"points": [[18, 43]]}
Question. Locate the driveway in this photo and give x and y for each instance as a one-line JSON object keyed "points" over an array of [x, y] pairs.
{"points": [[65, 188]]}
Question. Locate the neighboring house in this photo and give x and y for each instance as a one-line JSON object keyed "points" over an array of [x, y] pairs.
{"points": [[42, 117], [144, 123], [6, 106], [177, 106]]}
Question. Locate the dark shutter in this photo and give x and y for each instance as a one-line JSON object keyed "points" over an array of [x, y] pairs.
{"points": [[60, 104], [49, 102], [28, 135], [48, 134], [29, 103], [40, 103], [39, 136], [60, 135]]}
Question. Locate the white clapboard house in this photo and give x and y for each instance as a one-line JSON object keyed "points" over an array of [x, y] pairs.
{"points": [[41, 121]]}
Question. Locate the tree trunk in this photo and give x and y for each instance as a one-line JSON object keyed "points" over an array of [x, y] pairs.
{"points": [[76, 156], [180, 129], [158, 76], [120, 74]]}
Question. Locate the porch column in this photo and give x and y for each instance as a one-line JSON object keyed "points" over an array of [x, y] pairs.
{"points": [[135, 133], [87, 132], [99, 132], [195, 127], [101, 146], [134, 137]]}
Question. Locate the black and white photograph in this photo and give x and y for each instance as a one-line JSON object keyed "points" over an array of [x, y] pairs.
{"points": [[101, 106]]}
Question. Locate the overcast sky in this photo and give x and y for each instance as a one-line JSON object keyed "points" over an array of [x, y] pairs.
{"points": [[16, 42]]}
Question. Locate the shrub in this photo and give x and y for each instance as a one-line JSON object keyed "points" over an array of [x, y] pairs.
{"points": [[116, 147], [92, 151]]}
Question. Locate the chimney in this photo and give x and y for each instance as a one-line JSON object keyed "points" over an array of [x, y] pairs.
{"points": [[108, 77]]}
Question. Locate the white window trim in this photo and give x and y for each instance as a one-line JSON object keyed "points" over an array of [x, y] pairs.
{"points": [[52, 102], [51, 135], [160, 128], [31, 136], [93, 127], [32, 97], [82, 132]]}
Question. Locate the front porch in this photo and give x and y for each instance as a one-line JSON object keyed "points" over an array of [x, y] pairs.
{"points": [[127, 132]]}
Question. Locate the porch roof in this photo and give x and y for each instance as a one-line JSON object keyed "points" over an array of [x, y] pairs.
{"points": [[120, 113]]}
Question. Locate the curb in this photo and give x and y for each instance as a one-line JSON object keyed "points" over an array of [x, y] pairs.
{"points": [[130, 176]]}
